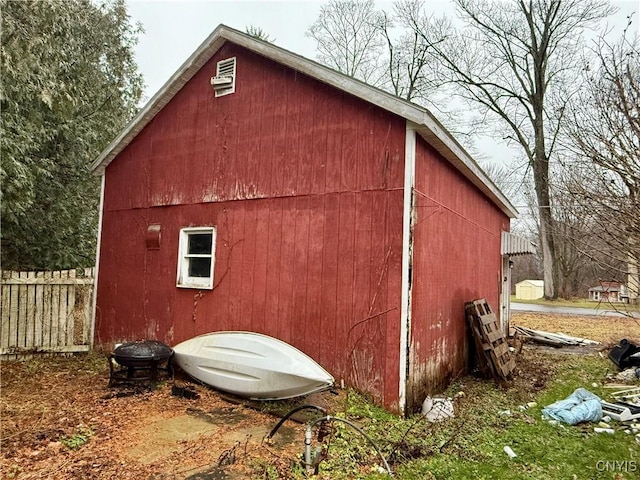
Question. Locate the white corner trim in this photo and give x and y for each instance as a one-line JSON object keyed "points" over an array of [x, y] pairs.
{"points": [[407, 245], [97, 266]]}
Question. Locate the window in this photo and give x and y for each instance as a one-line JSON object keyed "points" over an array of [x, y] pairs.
{"points": [[196, 255]]}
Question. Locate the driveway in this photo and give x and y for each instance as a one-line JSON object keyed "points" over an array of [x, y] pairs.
{"points": [[601, 310]]}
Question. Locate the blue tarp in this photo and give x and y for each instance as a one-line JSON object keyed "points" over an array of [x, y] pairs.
{"points": [[580, 406]]}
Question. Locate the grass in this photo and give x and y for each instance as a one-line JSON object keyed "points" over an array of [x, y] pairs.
{"points": [[559, 302], [78, 439], [488, 418], [579, 303]]}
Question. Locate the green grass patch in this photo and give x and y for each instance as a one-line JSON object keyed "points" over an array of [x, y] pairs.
{"points": [[579, 303], [488, 418], [560, 302], [78, 439]]}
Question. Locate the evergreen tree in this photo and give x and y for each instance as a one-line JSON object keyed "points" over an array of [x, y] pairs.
{"points": [[69, 84]]}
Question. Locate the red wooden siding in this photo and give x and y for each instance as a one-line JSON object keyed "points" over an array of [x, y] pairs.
{"points": [[304, 185], [280, 134], [456, 258], [309, 270]]}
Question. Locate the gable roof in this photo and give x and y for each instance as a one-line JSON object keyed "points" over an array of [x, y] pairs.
{"points": [[608, 287], [425, 124], [534, 283]]}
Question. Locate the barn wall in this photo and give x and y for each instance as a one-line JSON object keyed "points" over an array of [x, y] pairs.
{"points": [[280, 134], [456, 258], [304, 185]]}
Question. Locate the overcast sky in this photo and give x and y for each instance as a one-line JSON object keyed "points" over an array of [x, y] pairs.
{"points": [[174, 29]]}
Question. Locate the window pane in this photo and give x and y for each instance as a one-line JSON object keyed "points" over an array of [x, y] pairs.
{"points": [[199, 267], [199, 243]]}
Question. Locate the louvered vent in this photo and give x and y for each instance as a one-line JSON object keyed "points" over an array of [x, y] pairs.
{"points": [[224, 82]]}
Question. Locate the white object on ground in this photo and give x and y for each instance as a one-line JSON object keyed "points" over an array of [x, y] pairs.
{"points": [[251, 365], [508, 451], [437, 408], [604, 430]]}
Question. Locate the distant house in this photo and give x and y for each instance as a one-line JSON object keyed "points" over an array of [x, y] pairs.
{"points": [[613, 292], [530, 289], [261, 191]]}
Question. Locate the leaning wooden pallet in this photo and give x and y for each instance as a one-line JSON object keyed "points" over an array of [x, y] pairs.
{"points": [[491, 343], [483, 361]]}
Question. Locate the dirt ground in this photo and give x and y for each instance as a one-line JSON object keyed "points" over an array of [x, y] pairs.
{"points": [[50, 404], [132, 432], [606, 330]]}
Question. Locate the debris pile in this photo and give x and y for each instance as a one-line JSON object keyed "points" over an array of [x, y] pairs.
{"points": [[625, 406], [625, 354], [553, 339], [583, 406], [580, 406], [619, 412]]}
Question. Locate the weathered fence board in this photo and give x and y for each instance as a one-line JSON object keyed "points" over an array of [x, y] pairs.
{"points": [[46, 312], [5, 327]]}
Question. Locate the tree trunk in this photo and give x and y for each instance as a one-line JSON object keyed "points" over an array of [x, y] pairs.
{"points": [[541, 181], [546, 241]]}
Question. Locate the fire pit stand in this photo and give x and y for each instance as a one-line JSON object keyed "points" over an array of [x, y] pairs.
{"points": [[141, 361]]}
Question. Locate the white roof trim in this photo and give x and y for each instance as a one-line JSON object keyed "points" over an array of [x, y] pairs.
{"points": [[427, 125]]}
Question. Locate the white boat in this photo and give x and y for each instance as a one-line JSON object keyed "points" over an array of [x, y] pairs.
{"points": [[251, 365]]}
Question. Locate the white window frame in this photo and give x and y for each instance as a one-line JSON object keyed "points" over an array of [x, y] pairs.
{"points": [[183, 279]]}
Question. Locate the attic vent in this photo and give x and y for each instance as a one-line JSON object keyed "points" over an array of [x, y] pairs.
{"points": [[224, 82]]}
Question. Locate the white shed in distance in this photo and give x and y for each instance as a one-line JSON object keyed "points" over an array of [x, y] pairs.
{"points": [[529, 289]]}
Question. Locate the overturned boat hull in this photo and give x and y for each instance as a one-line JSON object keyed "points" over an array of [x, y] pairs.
{"points": [[251, 365]]}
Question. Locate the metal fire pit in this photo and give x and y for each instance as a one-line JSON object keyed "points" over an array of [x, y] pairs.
{"points": [[140, 361]]}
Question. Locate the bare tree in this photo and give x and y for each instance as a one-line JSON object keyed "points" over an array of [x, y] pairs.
{"points": [[588, 237], [379, 47], [605, 139], [514, 60], [410, 64], [348, 38], [579, 255], [511, 181]]}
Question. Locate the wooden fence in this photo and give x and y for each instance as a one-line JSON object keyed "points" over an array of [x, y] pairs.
{"points": [[46, 312]]}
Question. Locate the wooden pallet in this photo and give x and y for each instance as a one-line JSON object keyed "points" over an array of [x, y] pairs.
{"points": [[491, 344]]}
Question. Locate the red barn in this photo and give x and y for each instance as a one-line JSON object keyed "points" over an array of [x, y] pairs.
{"points": [[261, 191]]}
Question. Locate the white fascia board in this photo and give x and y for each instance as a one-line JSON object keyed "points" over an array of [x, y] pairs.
{"points": [[407, 246]]}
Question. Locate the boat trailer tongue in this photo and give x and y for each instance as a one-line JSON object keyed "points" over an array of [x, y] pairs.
{"points": [[140, 361]]}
